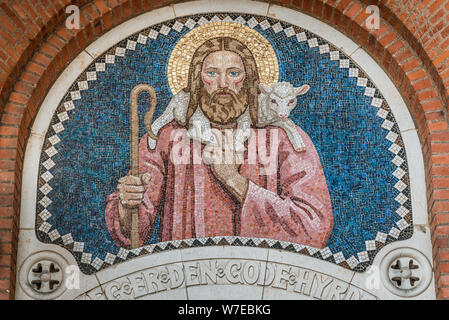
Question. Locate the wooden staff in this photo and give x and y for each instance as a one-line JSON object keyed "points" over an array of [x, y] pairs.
{"points": [[134, 126]]}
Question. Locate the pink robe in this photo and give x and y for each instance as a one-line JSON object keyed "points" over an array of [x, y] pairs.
{"points": [[290, 204]]}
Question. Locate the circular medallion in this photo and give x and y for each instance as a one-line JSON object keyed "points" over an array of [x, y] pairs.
{"points": [[406, 272], [42, 275], [45, 276]]}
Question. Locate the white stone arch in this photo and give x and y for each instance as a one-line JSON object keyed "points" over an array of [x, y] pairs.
{"points": [[28, 244]]}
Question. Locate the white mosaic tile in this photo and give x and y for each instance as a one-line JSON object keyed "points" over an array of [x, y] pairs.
{"points": [[131, 45], [344, 63], [289, 32], [178, 26], [277, 27], [394, 233], [54, 234], [67, 239], [48, 164], [402, 224], [382, 113], [264, 25], [78, 246], [301, 36], [86, 257], [91, 75], [312, 250], [215, 19], [400, 186], [51, 151], [362, 82], [324, 48], [334, 55], [397, 160], [100, 67], [326, 253], [363, 256], [47, 176], [120, 52], [381, 237], [401, 198], [110, 258], [69, 105], [110, 59], [123, 253], [394, 148], [45, 189], [313, 43], [353, 72], [45, 214], [377, 102], [391, 136], [58, 127], [190, 23], [402, 211], [370, 92], [83, 85], [45, 202], [202, 21], [339, 257], [352, 262], [387, 124], [45, 227], [370, 245], [153, 34], [63, 116], [165, 30], [97, 263], [76, 95]]}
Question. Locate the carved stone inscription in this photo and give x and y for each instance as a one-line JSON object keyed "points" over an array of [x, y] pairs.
{"points": [[294, 279]]}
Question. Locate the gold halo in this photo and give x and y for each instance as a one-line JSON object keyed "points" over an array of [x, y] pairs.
{"points": [[181, 56]]}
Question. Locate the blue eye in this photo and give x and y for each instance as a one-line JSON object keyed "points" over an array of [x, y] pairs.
{"points": [[273, 101], [212, 73], [235, 73]]}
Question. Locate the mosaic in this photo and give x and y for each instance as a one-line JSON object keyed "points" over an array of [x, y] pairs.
{"points": [[129, 163]]}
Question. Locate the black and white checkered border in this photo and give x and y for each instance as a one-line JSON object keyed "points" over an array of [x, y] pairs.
{"points": [[393, 136]]}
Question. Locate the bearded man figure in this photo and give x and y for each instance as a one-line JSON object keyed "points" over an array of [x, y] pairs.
{"points": [[196, 199]]}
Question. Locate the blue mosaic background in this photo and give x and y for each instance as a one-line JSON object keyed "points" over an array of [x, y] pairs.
{"points": [[94, 148]]}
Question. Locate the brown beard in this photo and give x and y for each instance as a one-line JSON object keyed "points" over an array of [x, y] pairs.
{"points": [[223, 110]]}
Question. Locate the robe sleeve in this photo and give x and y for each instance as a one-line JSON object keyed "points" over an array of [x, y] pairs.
{"points": [[300, 211], [152, 162]]}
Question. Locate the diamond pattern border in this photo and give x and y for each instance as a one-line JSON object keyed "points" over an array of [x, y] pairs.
{"points": [[389, 124]]}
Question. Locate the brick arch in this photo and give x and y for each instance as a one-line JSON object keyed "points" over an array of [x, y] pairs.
{"points": [[35, 47]]}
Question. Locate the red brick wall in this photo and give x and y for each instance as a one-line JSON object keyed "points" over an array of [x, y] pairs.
{"points": [[411, 46]]}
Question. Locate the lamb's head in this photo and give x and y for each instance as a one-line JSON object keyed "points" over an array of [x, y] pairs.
{"points": [[281, 97]]}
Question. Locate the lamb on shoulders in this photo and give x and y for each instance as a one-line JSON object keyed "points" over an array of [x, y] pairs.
{"points": [[275, 104]]}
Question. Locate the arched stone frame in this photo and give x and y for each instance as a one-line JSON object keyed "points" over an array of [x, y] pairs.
{"points": [[378, 76]]}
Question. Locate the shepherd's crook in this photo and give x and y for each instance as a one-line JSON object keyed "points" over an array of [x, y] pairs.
{"points": [[134, 123]]}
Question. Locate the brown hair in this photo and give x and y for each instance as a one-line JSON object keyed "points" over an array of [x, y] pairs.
{"points": [[195, 82]]}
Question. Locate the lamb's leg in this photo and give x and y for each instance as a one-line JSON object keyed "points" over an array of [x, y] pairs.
{"points": [[292, 134]]}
